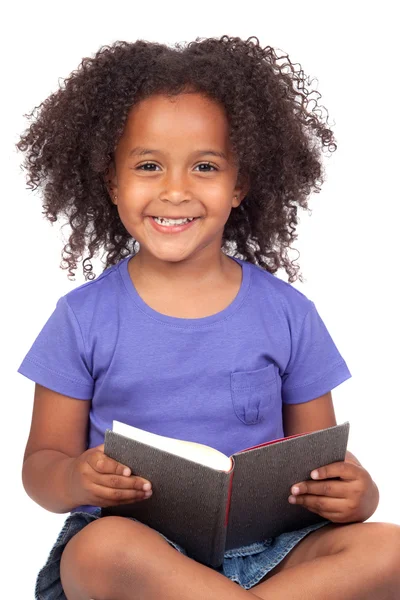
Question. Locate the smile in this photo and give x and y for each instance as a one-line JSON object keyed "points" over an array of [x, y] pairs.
{"points": [[171, 222], [169, 226]]}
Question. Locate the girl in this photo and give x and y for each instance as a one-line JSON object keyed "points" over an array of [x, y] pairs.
{"points": [[187, 166]]}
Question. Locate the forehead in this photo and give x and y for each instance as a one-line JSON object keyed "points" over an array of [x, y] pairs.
{"points": [[186, 118]]}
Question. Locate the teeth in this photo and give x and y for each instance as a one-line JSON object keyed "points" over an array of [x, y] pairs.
{"points": [[171, 222]]}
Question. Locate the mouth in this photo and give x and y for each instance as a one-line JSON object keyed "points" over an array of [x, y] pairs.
{"points": [[171, 222], [169, 225]]}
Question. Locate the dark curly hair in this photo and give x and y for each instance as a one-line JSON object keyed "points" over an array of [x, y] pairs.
{"points": [[278, 141]]}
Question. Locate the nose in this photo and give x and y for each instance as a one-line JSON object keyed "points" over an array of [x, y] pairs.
{"points": [[176, 189]]}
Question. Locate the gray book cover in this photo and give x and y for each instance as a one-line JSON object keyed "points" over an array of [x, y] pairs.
{"points": [[208, 511]]}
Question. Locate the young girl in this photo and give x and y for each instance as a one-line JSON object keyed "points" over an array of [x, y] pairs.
{"points": [[187, 166]]}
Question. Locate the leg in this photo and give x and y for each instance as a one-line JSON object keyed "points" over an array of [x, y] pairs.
{"points": [[358, 561], [117, 559]]}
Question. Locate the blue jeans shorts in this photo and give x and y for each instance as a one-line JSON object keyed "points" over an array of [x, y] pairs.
{"points": [[245, 566]]}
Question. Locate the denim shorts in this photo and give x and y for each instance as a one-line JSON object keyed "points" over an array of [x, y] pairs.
{"points": [[246, 565]]}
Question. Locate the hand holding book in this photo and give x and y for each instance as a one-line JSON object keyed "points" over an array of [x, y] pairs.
{"points": [[342, 492], [98, 480]]}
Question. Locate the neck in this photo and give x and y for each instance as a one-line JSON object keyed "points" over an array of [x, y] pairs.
{"points": [[189, 273]]}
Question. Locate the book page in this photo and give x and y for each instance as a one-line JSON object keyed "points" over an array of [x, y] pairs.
{"points": [[199, 453]]}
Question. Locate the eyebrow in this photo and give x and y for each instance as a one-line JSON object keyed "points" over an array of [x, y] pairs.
{"points": [[140, 151]]}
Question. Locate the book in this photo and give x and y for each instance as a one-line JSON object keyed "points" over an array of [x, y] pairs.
{"points": [[208, 502]]}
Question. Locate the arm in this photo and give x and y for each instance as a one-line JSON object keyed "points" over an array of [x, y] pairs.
{"points": [[311, 416], [319, 414], [58, 435]]}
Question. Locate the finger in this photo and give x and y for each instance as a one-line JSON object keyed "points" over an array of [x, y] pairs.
{"points": [[335, 517], [102, 463], [119, 495], [322, 504], [342, 469], [108, 466], [120, 482], [337, 513], [329, 487]]}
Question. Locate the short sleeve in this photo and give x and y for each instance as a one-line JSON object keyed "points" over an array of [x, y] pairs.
{"points": [[57, 358], [315, 366]]}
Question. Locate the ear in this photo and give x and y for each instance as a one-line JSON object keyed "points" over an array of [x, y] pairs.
{"points": [[240, 192], [110, 180]]}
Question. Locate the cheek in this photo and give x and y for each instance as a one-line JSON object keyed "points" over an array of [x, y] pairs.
{"points": [[129, 215], [133, 199], [218, 201], [130, 185]]}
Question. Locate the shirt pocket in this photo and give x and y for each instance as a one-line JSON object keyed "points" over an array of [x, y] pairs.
{"points": [[254, 393]]}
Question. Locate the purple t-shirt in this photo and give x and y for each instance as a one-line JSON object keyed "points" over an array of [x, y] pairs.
{"points": [[218, 380]]}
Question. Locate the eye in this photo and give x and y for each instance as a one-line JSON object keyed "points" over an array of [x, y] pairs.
{"points": [[207, 165], [149, 164]]}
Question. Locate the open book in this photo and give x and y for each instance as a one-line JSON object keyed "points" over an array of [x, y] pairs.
{"points": [[210, 503]]}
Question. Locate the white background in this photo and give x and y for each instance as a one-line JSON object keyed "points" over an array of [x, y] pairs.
{"points": [[348, 247]]}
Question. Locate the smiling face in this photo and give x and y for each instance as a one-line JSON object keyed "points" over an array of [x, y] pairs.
{"points": [[174, 161]]}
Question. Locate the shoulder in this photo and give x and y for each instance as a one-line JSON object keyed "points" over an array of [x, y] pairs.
{"points": [[100, 294], [279, 295]]}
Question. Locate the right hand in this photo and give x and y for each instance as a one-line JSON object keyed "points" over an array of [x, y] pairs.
{"points": [[98, 480]]}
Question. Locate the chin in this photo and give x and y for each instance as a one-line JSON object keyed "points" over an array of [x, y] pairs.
{"points": [[171, 257], [175, 259]]}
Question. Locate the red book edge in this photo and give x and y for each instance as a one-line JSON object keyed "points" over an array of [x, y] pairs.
{"points": [[228, 504]]}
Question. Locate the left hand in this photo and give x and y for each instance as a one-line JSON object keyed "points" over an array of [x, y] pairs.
{"points": [[352, 498]]}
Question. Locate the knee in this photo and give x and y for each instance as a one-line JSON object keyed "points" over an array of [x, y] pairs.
{"points": [[390, 546], [384, 541], [105, 551], [118, 540]]}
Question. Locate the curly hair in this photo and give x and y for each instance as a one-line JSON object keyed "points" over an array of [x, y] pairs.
{"points": [[277, 138]]}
